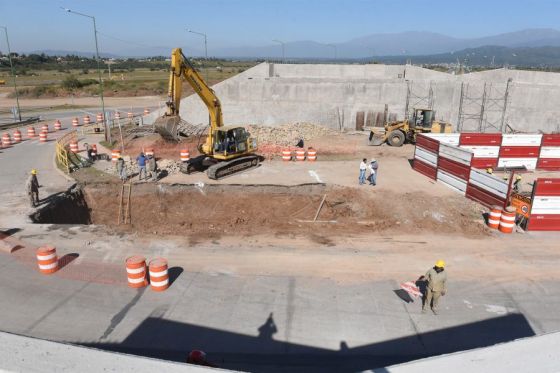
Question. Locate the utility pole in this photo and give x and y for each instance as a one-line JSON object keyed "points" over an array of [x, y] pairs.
{"points": [[283, 50], [335, 50], [13, 71], [205, 50]]}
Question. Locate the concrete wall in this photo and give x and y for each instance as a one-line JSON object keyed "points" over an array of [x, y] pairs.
{"points": [[333, 94]]}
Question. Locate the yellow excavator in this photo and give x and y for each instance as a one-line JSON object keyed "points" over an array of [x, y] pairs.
{"points": [[397, 133], [226, 149]]}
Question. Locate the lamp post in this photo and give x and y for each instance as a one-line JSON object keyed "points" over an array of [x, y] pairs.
{"points": [[283, 49], [335, 51], [107, 134], [205, 49], [13, 72]]}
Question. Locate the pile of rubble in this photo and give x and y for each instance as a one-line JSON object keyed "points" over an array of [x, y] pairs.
{"points": [[289, 134], [168, 166]]}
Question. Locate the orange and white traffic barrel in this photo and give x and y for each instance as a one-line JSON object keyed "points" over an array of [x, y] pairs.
{"points": [[159, 277], [507, 220], [185, 155], [149, 151], [57, 125], [146, 111], [87, 120], [136, 271], [115, 155], [300, 155], [130, 115], [31, 132], [311, 155], [47, 260], [75, 122], [6, 140], [494, 217], [17, 136], [74, 146], [43, 136], [99, 117], [45, 128], [286, 155], [117, 115], [93, 150]]}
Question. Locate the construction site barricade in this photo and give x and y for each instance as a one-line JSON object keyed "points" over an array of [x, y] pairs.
{"points": [[75, 122], [185, 155], [300, 155], [149, 151], [31, 132], [146, 111], [286, 155], [311, 155], [43, 136], [57, 125], [17, 136], [494, 217], [74, 146], [6, 140], [45, 128], [130, 115], [62, 144], [136, 271], [47, 259], [507, 220], [159, 277], [99, 118], [87, 120], [115, 155]]}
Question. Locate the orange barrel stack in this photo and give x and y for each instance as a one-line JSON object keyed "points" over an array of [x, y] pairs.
{"points": [[6, 140], [94, 150], [130, 115], [43, 136], [99, 117], [57, 125], [146, 111], [136, 271], [75, 122], [159, 277], [47, 260], [115, 154], [45, 128], [149, 151], [87, 120], [494, 217], [507, 220], [17, 136], [286, 155], [300, 155], [31, 132], [74, 146], [185, 155], [311, 155]]}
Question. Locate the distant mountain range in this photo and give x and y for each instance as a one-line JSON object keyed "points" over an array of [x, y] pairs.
{"points": [[406, 44]]}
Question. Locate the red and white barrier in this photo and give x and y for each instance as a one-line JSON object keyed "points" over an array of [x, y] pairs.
{"points": [[545, 207]]}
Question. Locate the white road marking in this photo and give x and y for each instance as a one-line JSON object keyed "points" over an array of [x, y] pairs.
{"points": [[315, 175]]}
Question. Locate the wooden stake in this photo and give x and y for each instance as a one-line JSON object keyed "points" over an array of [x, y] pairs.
{"points": [[320, 207]]}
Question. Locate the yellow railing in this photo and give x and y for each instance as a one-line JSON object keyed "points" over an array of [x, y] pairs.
{"points": [[62, 149]]}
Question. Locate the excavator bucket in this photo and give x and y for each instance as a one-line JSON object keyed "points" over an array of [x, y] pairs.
{"points": [[167, 127], [377, 139]]}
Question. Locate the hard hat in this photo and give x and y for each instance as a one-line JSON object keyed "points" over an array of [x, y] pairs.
{"points": [[196, 356], [489, 170], [33, 172], [440, 263], [518, 177], [373, 160]]}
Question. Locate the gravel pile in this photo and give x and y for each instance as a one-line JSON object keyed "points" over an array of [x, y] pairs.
{"points": [[168, 165], [288, 134]]}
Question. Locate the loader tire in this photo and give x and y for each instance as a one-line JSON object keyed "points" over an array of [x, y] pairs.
{"points": [[396, 138]]}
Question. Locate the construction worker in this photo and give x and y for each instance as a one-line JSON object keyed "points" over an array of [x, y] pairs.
{"points": [[363, 168], [121, 169], [435, 279], [373, 171], [33, 188], [152, 168], [489, 171], [141, 160], [517, 184]]}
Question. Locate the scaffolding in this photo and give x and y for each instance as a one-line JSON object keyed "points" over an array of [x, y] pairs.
{"points": [[416, 98]]}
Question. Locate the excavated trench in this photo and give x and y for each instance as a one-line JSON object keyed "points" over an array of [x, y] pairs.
{"points": [[214, 210]]}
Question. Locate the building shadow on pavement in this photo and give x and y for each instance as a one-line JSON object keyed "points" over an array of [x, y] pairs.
{"points": [[260, 352]]}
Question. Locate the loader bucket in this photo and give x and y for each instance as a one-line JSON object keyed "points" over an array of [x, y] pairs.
{"points": [[167, 127], [377, 140]]}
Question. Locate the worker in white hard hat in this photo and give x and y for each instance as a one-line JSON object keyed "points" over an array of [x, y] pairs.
{"points": [[373, 166], [32, 186], [435, 279]]}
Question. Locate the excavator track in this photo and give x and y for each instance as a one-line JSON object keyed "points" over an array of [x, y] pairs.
{"points": [[223, 169]]}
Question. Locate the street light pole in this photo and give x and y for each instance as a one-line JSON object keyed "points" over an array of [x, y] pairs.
{"points": [[205, 49], [283, 50], [106, 127], [335, 51], [13, 72]]}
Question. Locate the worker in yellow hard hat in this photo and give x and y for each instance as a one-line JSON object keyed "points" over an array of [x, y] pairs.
{"points": [[489, 170], [435, 279], [517, 183], [32, 186]]}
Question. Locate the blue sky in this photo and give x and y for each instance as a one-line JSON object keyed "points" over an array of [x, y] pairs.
{"points": [[41, 24]]}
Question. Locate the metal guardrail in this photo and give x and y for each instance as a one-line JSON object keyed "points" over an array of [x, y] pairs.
{"points": [[62, 150]]}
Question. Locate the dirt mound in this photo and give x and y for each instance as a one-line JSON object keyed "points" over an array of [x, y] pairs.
{"points": [[216, 210]]}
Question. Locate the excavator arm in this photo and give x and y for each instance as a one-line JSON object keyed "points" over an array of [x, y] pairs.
{"points": [[183, 70]]}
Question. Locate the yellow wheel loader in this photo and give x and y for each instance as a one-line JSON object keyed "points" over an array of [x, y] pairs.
{"points": [[397, 133], [226, 149]]}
